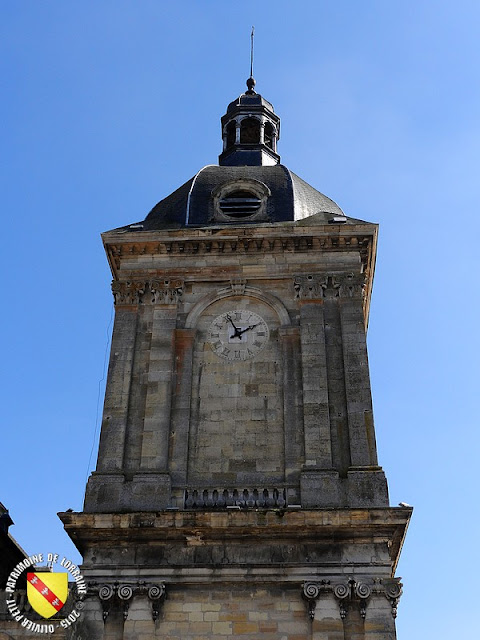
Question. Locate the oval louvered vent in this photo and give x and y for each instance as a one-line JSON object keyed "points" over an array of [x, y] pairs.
{"points": [[240, 204]]}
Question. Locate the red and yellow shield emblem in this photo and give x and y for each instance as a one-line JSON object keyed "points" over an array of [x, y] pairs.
{"points": [[47, 592]]}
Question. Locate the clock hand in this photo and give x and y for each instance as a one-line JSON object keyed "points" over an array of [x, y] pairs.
{"points": [[237, 333], [231, 321], [252, 326]]}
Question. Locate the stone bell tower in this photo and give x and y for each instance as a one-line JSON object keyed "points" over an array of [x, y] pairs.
{"points": [[237, 492]]}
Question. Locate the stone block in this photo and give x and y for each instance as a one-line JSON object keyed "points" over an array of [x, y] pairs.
{"points": [[242, 628], [104, 492], [320, 489], [149, 492], [211, 616], [224, 628], [367, 488]]}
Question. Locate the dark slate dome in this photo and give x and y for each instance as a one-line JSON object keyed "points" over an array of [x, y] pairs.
{"points": [[249, 186], [258, 194]]}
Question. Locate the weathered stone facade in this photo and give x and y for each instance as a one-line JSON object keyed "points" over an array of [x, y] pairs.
{"points": [[237, 491], [250, 490], [248, 573], [296, 419]]}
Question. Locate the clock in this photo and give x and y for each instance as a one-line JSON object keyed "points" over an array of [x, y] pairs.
{"points": [[238, 334]]}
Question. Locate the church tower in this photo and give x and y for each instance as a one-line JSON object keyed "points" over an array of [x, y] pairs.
{"points": [[237, 492]]}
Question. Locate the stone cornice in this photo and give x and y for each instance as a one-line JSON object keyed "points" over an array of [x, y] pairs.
{"points": [[291, 241], [247, 239], [352, 526], [121, 246]]}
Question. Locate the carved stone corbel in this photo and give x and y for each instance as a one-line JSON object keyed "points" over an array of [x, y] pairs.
{"points": [[133, 292], [331, 287], [309, 287], [352, 285], [342, 592], [238, 286], [393, 592], [352, 592], [125, 594], [311, 592], [363, 593], [105, 594], [156, 594], [166, 291], [127, 292]]}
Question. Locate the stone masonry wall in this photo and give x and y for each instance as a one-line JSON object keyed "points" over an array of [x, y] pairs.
{"points": [[236, 427], [262, 612]]}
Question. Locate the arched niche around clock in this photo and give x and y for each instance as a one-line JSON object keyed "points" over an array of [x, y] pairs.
{"points": [[237, 407]]}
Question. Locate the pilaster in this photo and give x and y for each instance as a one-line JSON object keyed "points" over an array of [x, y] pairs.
{"points": [[319, 482], [105, 486], [292, 403], [117, 393], [184, 343], [357, 382], [154, 451], [318, 448], [366, 482]]}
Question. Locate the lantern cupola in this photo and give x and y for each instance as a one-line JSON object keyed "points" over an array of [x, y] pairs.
{"points": [[250, 131]]}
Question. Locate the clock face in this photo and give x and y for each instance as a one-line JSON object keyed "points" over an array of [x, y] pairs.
{"points": [[238, 334]]}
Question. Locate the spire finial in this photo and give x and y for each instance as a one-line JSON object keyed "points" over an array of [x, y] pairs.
{"points": [[251, 81], [251, 51]]}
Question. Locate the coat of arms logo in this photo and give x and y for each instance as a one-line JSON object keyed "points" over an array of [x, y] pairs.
{"points": [[47, 592]]}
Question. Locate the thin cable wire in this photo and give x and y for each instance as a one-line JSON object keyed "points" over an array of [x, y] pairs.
{"points": [[100, 382]]}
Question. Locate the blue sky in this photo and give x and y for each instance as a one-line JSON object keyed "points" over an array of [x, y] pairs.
{"points": [[108, 106]]}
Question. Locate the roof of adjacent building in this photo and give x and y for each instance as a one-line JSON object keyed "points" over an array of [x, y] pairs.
{"points": [[11, 553]]}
